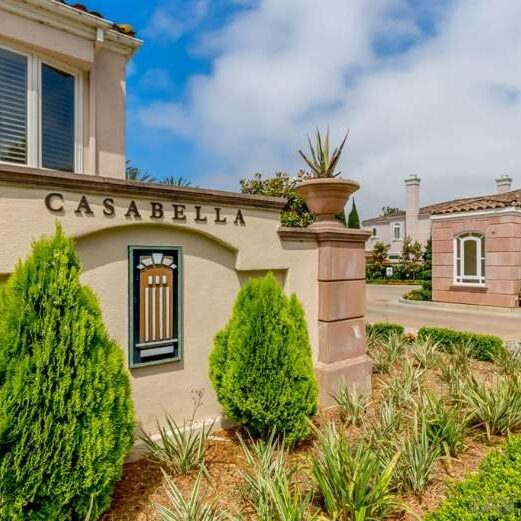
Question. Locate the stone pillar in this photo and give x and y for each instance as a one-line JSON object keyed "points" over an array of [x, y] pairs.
{"points": [[341, 313]]}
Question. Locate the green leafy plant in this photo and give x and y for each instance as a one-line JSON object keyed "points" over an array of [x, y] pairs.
{"points": [[444, 425], [268, 484], [192, 508], [180, 448], [353, 220], [377, 261], [496, 407], [352, 482], [175, 181], [351, 404], [386, 424], [134, 173], [508, 361], [66, 413], [425, 351], [490, 494], [261, 366], [385, 351], [454, 376], [418, 456], [485, 347], [384, 329], [403, 388], [322, 163]]}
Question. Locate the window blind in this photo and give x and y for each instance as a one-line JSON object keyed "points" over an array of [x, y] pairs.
{"points": [[57, 119], [13, 107]]}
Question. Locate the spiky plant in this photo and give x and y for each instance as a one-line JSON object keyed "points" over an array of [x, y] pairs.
{"points": [[192, 508], [352, 405], [496, 407], [180, 447], [508, 360], [402, 389], [322, 163], [425, 350], [385, 351], [444, 424], [351, 480], [268, 483], [418, 455]]}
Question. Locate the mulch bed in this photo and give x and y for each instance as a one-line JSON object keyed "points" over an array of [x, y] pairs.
{"points": [[142, 483]]}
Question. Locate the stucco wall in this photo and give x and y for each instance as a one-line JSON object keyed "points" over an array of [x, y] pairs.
{"points": [[502, 259], [217, 260]]}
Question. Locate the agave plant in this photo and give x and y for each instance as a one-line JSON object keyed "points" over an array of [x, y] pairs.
{"points": [[321, 163]]}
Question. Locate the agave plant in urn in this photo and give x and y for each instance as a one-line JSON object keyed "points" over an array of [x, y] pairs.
{"points": [[324, 192]]}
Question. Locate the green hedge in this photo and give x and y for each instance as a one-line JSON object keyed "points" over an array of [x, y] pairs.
{"points": [[485, 346], [491, 494], [385, 328]]}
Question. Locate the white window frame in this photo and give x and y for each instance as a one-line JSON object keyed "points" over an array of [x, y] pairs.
{"points": [[461, 279], [397, 226], [34, 107]]}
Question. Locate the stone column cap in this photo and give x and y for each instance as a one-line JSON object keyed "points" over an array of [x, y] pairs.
{"points": [[324, 232]]}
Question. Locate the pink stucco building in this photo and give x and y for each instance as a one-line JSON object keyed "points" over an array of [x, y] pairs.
{"points": [[476, 246]]}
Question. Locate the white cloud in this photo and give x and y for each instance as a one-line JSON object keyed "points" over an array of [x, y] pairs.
{"points": [[448, 109], [175, 17]]}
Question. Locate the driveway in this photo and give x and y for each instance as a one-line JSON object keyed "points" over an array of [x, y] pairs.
{"points": [[383, 305]]}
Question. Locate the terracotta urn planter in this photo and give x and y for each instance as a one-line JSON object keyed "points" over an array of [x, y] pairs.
{"points": [[326, 196]]}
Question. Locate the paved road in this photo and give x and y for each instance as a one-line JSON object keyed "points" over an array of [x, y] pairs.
{"points": [[383, 305]]}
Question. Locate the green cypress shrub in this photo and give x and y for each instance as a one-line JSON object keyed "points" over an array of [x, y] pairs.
{"points": [[261, 366], [354, 220], [66, 415]]}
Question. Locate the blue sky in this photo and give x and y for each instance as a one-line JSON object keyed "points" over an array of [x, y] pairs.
{"points": [[224, 88]]}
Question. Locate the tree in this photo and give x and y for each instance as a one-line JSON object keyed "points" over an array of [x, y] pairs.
{"points": [[134, 173], [175, 181], [354, 220], [411, 258], [261, 366], [390, 211], [378, 260], [66, 414], [426, 274], [296, 213]]}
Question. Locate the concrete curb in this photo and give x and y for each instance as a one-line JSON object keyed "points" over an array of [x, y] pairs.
{"points": [[461, 308]]}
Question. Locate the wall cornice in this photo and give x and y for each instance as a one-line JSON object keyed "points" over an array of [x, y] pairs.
{"points": [[322, 233], [32, 178]]}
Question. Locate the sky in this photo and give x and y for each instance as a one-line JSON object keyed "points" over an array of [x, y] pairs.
{"points": [[225, 88]]}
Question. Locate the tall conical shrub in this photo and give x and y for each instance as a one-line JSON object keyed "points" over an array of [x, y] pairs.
{"points": [[353, 220], [66, 415], [261, 366]]}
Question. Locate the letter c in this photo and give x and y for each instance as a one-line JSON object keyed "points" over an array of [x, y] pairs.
{"points": [[49, 198]]}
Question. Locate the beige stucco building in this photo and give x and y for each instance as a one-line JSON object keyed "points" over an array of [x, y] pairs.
{"points": [[413, 222], [166, 262]]}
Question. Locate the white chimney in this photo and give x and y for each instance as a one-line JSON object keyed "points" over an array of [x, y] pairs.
{"points": [[503, 184], [412, 209]]}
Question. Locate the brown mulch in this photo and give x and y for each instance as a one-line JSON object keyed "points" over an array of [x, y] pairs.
{"points": [[142, 483]]}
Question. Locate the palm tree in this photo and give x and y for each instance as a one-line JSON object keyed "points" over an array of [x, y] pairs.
{"points": [[175, 181], [134, 173]]}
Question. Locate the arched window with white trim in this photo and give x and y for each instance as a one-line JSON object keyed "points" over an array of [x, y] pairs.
{"points": [[469, 258]]}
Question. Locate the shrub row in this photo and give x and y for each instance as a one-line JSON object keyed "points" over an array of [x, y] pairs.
{"points": [[384, 329], [490, 494], [485, 347]]}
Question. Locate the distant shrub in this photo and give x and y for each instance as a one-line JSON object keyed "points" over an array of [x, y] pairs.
{"points": [[384, 329], [491, 494], [261, 366], [66, 414], [485, 347]]}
